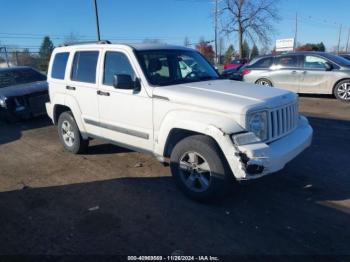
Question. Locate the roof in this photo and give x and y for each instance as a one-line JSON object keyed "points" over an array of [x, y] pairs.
{"points": [[142, 47], [135, 46]]}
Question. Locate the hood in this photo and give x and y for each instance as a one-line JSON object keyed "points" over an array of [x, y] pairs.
{"points": [[226, 95], [24, 89]]}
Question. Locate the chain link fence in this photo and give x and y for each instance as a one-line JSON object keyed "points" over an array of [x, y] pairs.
{"points": [[14, 57]]}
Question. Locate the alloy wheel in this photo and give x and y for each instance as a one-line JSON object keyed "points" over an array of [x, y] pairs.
{"points": [[344, 91], [67, 133], [195, 171]]}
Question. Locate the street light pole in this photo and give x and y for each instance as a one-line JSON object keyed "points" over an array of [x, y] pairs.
{"points": [[97, 21], [216, 32], [339, 38]]}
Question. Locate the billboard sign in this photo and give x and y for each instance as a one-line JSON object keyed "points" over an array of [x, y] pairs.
{"points": [[284, 45]]}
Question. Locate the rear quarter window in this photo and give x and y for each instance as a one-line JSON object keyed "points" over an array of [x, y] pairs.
{"points": [[262, 63], [59, 65]]}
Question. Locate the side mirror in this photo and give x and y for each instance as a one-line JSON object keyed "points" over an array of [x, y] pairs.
{"points": [[328, 66], [123, 81]]}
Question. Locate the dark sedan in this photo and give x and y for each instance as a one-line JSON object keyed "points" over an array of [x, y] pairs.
{"points": [[346, 56], [233, 73], [23, 93]]}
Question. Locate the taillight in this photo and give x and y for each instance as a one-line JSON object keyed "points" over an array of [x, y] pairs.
{"points": [[246, 72]]}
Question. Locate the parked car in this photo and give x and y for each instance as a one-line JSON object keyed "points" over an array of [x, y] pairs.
{"points": [[236, 63], [303, 72], [233, 73], [137, 96], [23, 93]]}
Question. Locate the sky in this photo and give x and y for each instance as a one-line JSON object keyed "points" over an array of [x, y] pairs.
{"points": [[25, 22]]}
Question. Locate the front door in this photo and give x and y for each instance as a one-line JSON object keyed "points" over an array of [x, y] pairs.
{"points": [[315, 78], [125, 114]]}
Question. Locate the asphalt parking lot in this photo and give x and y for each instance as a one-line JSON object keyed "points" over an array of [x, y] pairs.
{"points": [[113, 201]]}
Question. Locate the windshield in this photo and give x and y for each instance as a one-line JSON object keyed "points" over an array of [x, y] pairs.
{"points": [[169, 67], [10, 77], [338, 59]]}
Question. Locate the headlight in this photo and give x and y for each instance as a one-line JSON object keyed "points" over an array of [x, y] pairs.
{"points": [[3, 101], [257, 123]]}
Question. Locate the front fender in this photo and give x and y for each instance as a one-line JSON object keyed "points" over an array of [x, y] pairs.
{"points": [[213, 125]]}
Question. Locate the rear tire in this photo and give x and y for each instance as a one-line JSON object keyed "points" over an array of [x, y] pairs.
{"points": [[264, 82], [342, 91], [69, 134], [200, 169]]}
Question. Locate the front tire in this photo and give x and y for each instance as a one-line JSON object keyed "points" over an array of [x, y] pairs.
{"points": [[69, 134], [199, 168], [342, 91]]}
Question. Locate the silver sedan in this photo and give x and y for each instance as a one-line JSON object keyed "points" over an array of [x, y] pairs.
{"points": [[302, 72]]}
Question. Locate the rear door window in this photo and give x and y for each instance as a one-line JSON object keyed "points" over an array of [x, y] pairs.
{"points": [[84, 66], [290, 61], [59, 65]]}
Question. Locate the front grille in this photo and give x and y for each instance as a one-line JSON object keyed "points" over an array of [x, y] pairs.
{"points": [[283, 120]]}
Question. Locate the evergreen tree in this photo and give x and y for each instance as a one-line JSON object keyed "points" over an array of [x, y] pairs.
{"points": [[45, 51], [321, 47], [245, 49], [255, 52], [229, 54]]}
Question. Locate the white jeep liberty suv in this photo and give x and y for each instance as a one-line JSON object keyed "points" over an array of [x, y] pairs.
{"points": [[170, 101]]}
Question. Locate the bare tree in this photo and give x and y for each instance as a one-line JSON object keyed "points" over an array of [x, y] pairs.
{"points": [[249, 19], [73, 37]]}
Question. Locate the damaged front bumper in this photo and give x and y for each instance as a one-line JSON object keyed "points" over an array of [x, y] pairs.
{"points": [[259, 159], [25, 107]]}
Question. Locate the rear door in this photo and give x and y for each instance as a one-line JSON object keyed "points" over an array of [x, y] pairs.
{"points": [[82, 87], [315, 79], [286, 72]]}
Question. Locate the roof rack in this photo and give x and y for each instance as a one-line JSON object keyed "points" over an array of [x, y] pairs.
{"points": [[102, 42]]}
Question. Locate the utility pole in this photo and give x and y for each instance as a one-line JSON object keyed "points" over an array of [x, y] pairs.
{"points": [[216, 31], [296, 30], [339, 39], [97, 21], [347, 42]]}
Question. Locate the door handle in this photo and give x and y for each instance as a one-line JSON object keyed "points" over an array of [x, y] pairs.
{"points": [[70, 87], [304, 72], [101, 93], [294, 72]]}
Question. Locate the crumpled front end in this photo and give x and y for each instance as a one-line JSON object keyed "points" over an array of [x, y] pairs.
{"points": [[26, 106], [258, 159]]}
